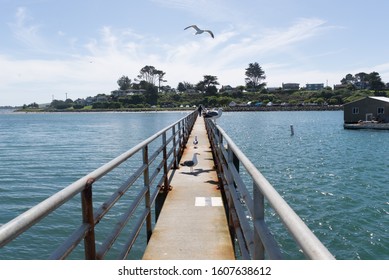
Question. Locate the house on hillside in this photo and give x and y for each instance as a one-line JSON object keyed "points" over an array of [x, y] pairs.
{"points": [[290, 86], [314, 86], [273, 89], [371, 108], [340, 86], [127, 92]]}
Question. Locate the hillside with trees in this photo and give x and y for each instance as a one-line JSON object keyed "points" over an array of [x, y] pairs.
{"points": [[148, 91]]}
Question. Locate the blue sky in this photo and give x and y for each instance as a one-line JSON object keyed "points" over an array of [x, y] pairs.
{"points": [[55, 48]]}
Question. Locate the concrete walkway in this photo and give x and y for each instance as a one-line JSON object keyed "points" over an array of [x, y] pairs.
{"points": [[192, 224]]}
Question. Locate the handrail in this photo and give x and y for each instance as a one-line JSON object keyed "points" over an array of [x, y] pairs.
{"points": [[254, 238], [179, 131]]}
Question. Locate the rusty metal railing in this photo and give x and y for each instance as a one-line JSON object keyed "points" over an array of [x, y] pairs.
{"points": [[246, 209], [156, 179]]}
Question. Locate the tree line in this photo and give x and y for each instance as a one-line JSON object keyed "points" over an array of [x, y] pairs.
{"points": [[148, 89]]}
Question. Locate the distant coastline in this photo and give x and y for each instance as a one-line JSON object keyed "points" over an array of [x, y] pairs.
{"points": [[8, 108], [226, 109], [284, 108]]}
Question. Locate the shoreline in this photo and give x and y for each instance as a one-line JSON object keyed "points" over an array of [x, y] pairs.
{"points": [[225, 109], [284, 108]]}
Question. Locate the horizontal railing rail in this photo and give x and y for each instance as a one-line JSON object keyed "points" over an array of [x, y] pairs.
{"points": [[254, 238], [156, 181]]}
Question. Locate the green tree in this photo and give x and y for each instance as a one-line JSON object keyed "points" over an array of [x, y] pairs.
{"points": [[100, 105], [151, 75], [181, 87], [160, 78], [60, 105], [348, 80], [210, 80], [362, 80], [124, 83], [200, 86], [375, 81], [184, 86], [33, 105], [151, 93], [78, 106], [208, 85], [211, 90], [254, 76]]}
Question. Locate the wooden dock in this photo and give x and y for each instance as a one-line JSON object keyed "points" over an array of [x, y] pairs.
{"points": [[192, 224]]}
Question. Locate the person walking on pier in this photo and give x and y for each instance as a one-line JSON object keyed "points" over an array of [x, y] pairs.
{"points": [[200, 109]]}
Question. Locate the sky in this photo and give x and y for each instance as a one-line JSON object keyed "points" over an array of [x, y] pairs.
{"points": [[53, 49]]}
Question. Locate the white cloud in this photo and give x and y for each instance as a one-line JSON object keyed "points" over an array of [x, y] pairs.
{"points": [[89, 67], [124, 52], [303, 29], [25, 31]]}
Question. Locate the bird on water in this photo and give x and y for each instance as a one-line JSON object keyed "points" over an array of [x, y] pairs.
{"points": [[191, 163], [199, 31]]}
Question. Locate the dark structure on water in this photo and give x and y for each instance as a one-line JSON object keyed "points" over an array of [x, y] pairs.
{"points": [[368, 109]]}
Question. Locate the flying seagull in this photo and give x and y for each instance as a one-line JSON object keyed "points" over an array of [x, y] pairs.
{"points": [[191, 163], [199, 31], [213, 115]]}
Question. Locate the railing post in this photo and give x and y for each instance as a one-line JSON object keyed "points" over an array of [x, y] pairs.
{"points": [[175, 158], [258, 215], [233, 159], [229, 159], [180, 138], [184, 124], [146, 182], [87, 217], [165, 170], [217, 140]]}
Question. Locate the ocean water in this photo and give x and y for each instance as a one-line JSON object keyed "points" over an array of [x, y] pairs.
{"points": [[41, 154], [335, 179]]}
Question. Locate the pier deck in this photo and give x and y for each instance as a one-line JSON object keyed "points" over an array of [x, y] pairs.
{"points": [[192, 224]]}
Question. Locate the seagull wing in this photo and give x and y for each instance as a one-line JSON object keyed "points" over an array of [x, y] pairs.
{"points": [[210, 32], [193, 26], [188, 163]]}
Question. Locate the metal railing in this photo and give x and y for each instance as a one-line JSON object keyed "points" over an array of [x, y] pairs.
{"points": [[254, 239], [156, 180]]}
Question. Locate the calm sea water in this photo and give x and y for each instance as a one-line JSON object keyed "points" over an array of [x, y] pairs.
{"points": [[335, 179]]}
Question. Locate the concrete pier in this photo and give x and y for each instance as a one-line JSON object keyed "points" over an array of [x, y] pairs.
{"points": [[192, 224]]}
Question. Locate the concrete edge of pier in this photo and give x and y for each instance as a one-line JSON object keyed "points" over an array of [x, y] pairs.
{"points": [[192, 224]]}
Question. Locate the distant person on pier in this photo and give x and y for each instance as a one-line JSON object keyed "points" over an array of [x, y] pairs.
{"points": [[200, 109]]}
